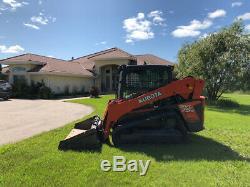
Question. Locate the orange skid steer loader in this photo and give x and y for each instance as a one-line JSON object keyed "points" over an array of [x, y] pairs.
{"points": [[150, 107]]}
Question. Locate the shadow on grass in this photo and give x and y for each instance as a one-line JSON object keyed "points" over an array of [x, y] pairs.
{"points": [[242, 109], [197, 148], [97, 149]]}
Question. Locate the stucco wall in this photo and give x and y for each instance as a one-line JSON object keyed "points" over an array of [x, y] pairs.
{"points": [[40, 78], [58, 83]]}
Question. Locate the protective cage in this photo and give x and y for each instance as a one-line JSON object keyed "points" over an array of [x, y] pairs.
{"points": [[136, 80]]}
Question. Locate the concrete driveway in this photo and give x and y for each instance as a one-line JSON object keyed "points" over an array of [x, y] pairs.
{"points": [[20, 119]]}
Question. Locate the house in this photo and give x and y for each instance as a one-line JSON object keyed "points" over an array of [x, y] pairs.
{"points": [[98, 69]]}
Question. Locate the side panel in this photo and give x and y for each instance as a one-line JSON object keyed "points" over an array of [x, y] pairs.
{"points": [[193, 115], [119, 107]]}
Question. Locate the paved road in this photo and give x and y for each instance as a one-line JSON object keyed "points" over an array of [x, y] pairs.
{"points": [[20, 119]]}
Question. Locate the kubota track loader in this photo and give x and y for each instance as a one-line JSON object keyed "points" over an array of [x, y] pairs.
{"points": [[150, 107]]}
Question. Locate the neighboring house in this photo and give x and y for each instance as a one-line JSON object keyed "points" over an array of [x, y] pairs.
{"points": [[98, 69]]}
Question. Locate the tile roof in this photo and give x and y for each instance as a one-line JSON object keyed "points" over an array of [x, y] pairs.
{"points": [[88, 60], [152, 59], [86, 63], [82, 65], [112, 53], [74, 68], [108, 53], [31, 57], [51, 65]]}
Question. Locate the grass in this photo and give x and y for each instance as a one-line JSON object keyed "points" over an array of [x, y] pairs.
{"points": [[217, 156]]}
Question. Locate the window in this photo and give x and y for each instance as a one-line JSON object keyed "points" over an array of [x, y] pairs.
{"points": [[18, 69], [141, 81]]}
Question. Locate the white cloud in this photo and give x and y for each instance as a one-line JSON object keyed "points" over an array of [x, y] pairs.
{"points": [[40, 2], [157, 17], [3, 9], [193, 29], [101, 43], [32, 26], [195, 26], [247, 28], [237, 3], [245, 16], [14, 4], [181, 33], [204, 35], [138, 28], [40, 19], [141, 15], [141, 35], [217, 13], [53, 19], [11, 49]]}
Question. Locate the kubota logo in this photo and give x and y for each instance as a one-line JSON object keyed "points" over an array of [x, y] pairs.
{"points": [[149, 97]]}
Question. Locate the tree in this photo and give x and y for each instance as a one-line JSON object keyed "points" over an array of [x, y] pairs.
{"points": [[219, 59], [244, 83]]}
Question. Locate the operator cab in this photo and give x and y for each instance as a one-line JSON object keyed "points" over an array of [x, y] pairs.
{"points": [[135, 80]]}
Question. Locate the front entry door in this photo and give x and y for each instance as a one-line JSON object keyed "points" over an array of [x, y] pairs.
{"points": [[108, 83], [109, 78]]}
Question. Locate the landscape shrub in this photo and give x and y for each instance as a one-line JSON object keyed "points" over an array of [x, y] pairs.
{"points": [[44, 92], [21, 90], [40, 91], [66, 90], [35, 91], [75, 91], [3, 77], [224, 103], [94, 92], [83, 90]]}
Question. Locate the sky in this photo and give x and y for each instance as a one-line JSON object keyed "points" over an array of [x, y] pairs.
{"points": [[65, 29]]}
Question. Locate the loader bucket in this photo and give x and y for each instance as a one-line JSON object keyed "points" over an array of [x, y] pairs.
{"points": [[84, 136]]}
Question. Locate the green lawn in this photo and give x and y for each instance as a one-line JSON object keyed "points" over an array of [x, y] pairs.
{"points": [[217, 156]]}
